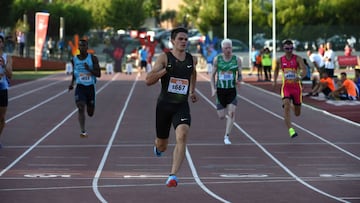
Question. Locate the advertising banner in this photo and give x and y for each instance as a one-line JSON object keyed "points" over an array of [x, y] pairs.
{"points": [[41, 25]]}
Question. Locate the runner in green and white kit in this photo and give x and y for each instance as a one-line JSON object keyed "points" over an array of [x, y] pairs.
{"points": [[227, 71]]}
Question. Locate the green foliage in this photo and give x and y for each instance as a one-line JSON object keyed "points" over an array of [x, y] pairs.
{"points": [[299, 19], [5, 10], [77, 19], [124, 14]]}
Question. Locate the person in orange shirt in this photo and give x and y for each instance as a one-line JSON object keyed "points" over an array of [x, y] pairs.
{"points": [[326, 85], [346, 91], [259, 65]]}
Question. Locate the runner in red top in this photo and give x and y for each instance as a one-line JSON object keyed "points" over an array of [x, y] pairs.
{"points": [[293, 69]]}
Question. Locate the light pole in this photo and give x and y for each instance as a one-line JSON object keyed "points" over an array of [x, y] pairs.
{"points": [[250, 33], [225, 19], [274, 28]]}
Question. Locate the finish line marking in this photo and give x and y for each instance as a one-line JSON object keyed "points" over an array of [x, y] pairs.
{"points": [[244, 175], [47, 176], [345, 175], [145, 176]]}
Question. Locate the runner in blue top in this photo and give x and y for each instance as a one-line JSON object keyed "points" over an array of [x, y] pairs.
{"points": [[5, 75], [227, 70], [177, 73], [86, 69]]}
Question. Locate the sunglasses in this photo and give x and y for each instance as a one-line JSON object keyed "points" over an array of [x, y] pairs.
{"points": [[289, 48]]}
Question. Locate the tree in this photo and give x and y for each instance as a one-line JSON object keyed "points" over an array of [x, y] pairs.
{"points": [[124, 14], [168, 15], [5, 10]]}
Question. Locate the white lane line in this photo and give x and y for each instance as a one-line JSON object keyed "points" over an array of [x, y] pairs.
{"points": [[109, 145], [308, 106], [36, 106], [279, 163], [296, 125], [46, 135], [304, 129], [198, 180], [49, 77], [35, 90]]}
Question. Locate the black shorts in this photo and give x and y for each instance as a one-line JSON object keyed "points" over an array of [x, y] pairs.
{"points": [[171, 113], [326, 91], [4, 99], [143, 64], [85, 94], [225, 97], [330, 72]]}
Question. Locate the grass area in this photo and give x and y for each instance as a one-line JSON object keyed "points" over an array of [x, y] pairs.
{"points": [[32, 75]]}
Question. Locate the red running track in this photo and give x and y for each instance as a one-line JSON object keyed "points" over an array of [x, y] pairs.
{"points": [[45, 160]]}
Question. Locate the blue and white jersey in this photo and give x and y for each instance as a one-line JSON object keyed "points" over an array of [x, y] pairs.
{"points": [[83, 76], [4, 83]]}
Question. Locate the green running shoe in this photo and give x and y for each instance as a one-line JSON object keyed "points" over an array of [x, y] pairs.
{"points": [[292, 133]]}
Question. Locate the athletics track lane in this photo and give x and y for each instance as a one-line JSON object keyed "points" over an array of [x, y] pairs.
{"points": [[256, 168]]}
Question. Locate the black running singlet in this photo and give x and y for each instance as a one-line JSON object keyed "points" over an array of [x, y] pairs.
{"points": [[175, 84]]}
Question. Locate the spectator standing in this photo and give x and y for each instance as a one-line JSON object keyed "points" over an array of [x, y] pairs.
{"points": [[258, 65], [254, 54], [347, 50], [5, 75], [329, 58], [50, 47], [143, 54], [21, 42], [266, 62], [61, 47], [210, 54], [321, 49], [317, 60], [308, 71]]}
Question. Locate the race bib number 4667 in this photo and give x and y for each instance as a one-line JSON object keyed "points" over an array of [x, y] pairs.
{"points": [[178, 85]]}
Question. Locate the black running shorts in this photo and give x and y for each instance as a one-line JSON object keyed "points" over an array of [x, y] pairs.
{"points": [[171, 113], [85, 94], [4, 98], [225, 97]]}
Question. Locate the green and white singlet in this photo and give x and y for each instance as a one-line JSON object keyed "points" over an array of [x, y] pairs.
{"points": [[226, 72]]}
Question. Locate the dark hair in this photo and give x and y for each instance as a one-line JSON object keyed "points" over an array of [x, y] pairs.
{"points": [[305, 62], [343, 73], [83, 41], [175, 31], [287, 42], [2, 38]]}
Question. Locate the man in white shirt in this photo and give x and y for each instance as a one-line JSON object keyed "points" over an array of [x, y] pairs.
{"points": [[329, 58], [317, 60]]}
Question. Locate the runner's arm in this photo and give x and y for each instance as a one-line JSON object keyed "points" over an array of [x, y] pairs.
{"points": [[193, 77], [239, 76], [276, 71], [96, 67], [158, 71], [214, 71], [8, 67], [303, 70], [71, 86]]}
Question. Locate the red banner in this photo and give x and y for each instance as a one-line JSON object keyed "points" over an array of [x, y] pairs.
{"points": [[41, 25], [347, 61]]}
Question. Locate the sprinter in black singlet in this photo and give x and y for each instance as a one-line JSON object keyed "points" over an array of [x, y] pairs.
{"points": [[177, 72]]}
